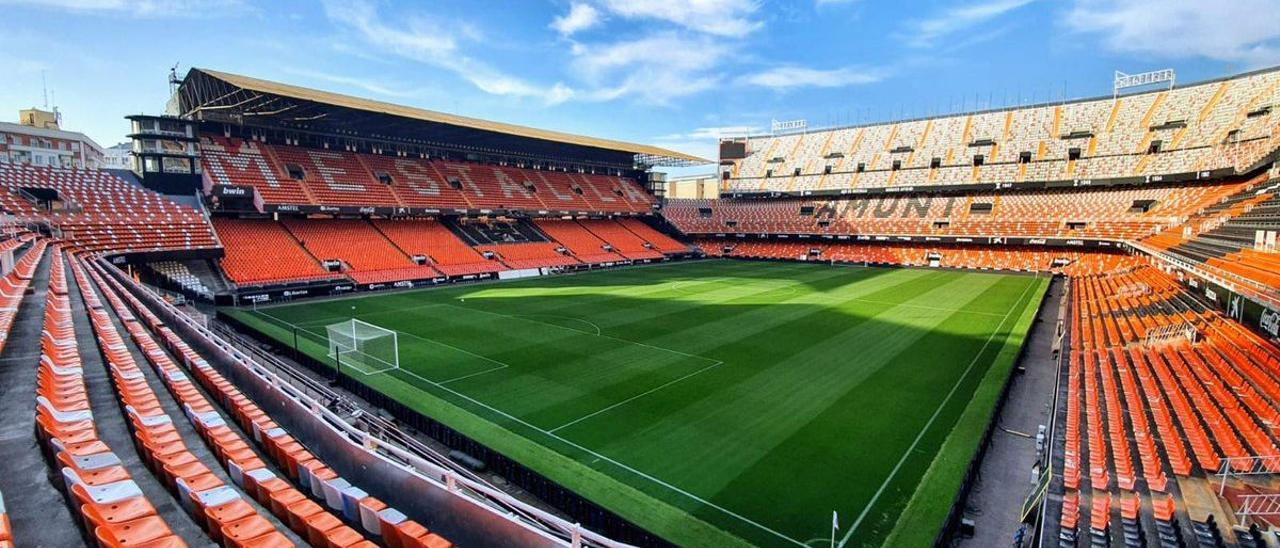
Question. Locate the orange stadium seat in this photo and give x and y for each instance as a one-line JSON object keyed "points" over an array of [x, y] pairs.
{"points": [[248, 263]]}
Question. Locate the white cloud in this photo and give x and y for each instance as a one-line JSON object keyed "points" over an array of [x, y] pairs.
{"points": [[437, 43], [731, 18], [140, 8], [655, 69], [927, 32], [581, 17], [1242, 31], [789, 77]]}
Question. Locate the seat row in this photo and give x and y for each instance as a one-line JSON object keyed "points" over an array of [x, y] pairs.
{"points": [[216, 506], [98, 488], [1020, 258], [313, 499], [1158, 386], [97, 211]]}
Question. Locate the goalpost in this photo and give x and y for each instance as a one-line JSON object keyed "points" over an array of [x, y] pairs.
{"points": [[363, 346]]}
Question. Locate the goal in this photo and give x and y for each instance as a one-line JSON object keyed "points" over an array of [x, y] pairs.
{"points": [[363, 346]]}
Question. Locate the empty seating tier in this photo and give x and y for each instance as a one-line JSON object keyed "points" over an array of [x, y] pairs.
{"points": [[623, 241], [1100, 214], [431, 239], [260, 251], [97, 211], [578, 240], [367, 255], [1159, 386], [320, 506], [660, 241], [1218, 125], [529, 255], [290, 175]]}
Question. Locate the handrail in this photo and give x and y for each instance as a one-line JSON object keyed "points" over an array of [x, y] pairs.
{"points": [[1264, 294], [503, 504]]}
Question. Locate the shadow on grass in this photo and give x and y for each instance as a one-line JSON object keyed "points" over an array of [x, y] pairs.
{"points": [[820, 397]]}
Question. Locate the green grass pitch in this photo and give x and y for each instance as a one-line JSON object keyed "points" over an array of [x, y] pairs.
{"points": [[714, 403]]}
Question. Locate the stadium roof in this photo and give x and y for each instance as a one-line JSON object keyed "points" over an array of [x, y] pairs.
{"points": [[653, 155]]}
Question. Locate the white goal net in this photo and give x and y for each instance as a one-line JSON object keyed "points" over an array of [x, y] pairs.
{"points": [[363, 346]]}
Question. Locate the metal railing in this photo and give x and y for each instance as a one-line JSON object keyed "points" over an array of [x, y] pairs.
{"points": [[380, 437]]}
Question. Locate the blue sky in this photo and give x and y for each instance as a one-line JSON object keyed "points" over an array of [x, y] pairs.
{"points": [[675, 73]]}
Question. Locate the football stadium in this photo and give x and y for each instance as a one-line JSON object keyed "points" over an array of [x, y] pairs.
{"points": [[282, 314]]}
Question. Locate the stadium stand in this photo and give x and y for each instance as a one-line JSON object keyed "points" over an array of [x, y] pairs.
{"points": [[216, 505], [246, 263], [113, 509], [98, 211], [232, 161], [437, 243], [319, 505], [178, 273], [416, 182], [658, 240], [1231, 236], [332, 177], [1137, 327], [290, 175], [623, 241], [1217, 125], [529, 255], [1016, 258], [584, 245], [1106, 214], [366, 254]]}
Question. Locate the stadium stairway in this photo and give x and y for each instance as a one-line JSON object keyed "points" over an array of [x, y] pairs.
{"points": [[233, 509]]}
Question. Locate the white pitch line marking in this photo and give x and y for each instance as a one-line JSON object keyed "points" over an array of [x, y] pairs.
{"points": [[867, 509], [599, 456], [636, 397]]}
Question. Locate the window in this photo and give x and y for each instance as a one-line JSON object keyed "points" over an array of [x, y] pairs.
{"points": [[978, 160], [935, 163], [826, 170], [862, 166], [795, 172], [295, 172], [897, 164]]}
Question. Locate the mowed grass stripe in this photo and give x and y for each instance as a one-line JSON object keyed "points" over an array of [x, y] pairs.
{"points": [[767, 407], [807, 350]]}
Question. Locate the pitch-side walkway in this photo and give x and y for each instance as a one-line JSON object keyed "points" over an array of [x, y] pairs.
{"points": [[995, 503]]}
